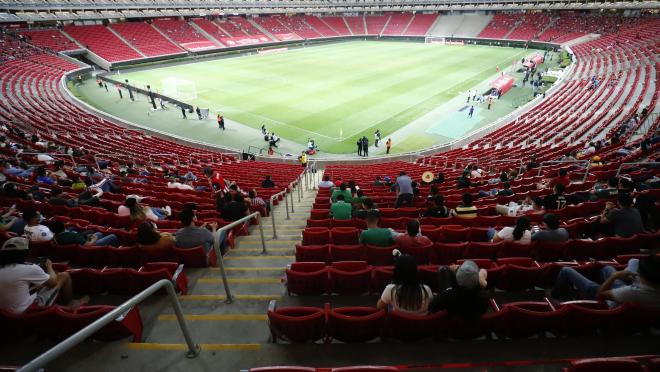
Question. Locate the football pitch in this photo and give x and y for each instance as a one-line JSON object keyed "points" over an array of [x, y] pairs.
{"points": [[336, 93]]}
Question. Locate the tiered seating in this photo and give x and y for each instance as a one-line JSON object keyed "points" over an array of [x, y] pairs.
{"points": [[50, 39], [298, 25], [421, 24], [356, 25], [241, 32], [397, 24], [530, 26], [375, 24], [276, 28], [102, 42], [210, 28], [146, 39], [499, 26], [322, 27], [184, 34], [338, 24], [569, 26], [123, 281]]}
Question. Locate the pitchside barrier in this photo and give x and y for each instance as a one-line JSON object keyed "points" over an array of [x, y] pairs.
{"points": [[186, 106]]}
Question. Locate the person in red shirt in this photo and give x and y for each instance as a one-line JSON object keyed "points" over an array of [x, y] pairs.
{"points": [[563, 178], [412, 239]]}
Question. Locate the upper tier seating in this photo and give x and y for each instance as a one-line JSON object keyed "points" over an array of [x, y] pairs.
{"points": [[500, 26], [375, 24], [276, 28], [321, 26], [241, 32], [210, 28], [102, 42], [183, 34], [51, 39], [299, 25], [397, 24], [530, 26], [356, 25], [421, 24], [146, 39], [338, 24]]}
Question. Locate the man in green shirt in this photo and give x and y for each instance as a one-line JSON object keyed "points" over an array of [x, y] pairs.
{"points": [[375, 235], [343, 190], [340, 210]]}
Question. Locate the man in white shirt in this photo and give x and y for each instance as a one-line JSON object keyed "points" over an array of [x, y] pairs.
{"points": [[326, 183], [34, 231], [23, 285]]}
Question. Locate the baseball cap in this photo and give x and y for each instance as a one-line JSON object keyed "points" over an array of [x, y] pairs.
{"points": [[467, 275], [16, 244]]}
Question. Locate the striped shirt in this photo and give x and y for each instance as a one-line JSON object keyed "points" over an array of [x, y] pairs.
{"points": [[466, 212], [257, 202]]}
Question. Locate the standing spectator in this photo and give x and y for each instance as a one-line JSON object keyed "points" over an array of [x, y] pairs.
{"points": [[406, 293], [359, 146], [365, 146], [191, 236], [626, 220], [18, 280], [33, 230], [388, 145], [404, 190], [471, 112], [221, 122], [466, 209], [461, 291], [340, 210], [376, 137], [519, 233], [303, 159], [267, 183], [551, 231], [183, 112], [413, 239], [375, 235], [645, 204], [199, 113]]}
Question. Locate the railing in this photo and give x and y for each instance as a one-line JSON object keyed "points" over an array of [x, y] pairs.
{"points": [[272, 205], [210, 156], [80, 336], [574, 162], [151, 156], [113, 156], [459, 161], [73, 161], [643, 163], [218, 252], [494, 163]]}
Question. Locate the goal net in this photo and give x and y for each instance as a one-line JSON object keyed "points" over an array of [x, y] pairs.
{"points": [[183, 90], [434, 40]]}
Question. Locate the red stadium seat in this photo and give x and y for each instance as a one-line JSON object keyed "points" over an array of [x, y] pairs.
{"points": [[355, 324], [446, 253], [307, 278], [349, 277], [408, 327], [380, 256], [605, 365], [296, 324], [355, 252], [316, 236], [312, 253], [344, 235]]}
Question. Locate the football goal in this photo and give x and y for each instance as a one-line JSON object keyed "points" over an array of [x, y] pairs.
{"points": [[434, 40], [183, 90]]}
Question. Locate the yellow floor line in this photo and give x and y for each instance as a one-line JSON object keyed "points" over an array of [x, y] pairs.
{"points": [[264, 257], [156, 346], [280, 268], [223, 297], [240, 280], [216, 317]]}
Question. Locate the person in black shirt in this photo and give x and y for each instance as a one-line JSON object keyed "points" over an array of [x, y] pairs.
{"points": [[461, 291], [267, 183], [464, 182], [438, 210], [556, 200], [533, 164], [234, 210], [506, 191]]}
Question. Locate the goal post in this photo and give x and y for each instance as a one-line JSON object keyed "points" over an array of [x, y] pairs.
{"points": [[180, 89], [435, 40]]}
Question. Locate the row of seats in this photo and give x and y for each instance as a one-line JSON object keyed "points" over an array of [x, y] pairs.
{"points": [[359, 277], [126, 281], [512, 320]]}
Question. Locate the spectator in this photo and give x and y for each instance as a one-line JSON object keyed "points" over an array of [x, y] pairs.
{"points": [[536, 207], [343, 190], [406, 293], [562, 179], [18, 278], [62, 236], [150, 240], [326, 183], [234, 209], [557, 200], [43, 177], [377, 182], [626, 220], [506, 191], [551, 231], [645, 204], [638, 283], [34, 231], [139, 212], [413, 239], [464, 182], [191, 236], [475, 172], [461, 291], [179, 184], [267, 183], [10, 190], [606, 191], [7, 219], [466, 209], [404, 189], [438, 210], [257, 201], [364, 207], [519, 233], [375, 235], [533, 164], [340, 210], [85, 198]]}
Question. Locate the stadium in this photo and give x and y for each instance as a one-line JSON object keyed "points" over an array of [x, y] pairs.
{"points": [[329, 185]]}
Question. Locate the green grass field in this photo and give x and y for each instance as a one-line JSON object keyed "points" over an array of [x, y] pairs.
{"points": [[352, 88]]}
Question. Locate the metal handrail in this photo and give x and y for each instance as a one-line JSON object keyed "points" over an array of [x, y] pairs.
{"points": [[52, 155], [623, 165], [475, 161], [272, 206], [131, 158], [586, 162], [190, 156], [80, 336], [165, 154], [218, 252], [492, 163]]}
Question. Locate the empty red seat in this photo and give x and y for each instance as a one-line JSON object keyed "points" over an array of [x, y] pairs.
{"points": [[306, 278], [392, 223], [296, 324], [312, 253], [446, 253], [316, 236], [454, 234], [483, 250], [355, 324], [349, 277], [319, 214], [380, 256], [319, 222], [409, 327], [354, 252], [344, 235]]}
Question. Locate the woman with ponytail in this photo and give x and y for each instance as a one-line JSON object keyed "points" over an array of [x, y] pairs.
{"points": [[406, 293], [519, 233]]}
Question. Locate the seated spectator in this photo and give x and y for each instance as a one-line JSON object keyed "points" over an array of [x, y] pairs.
{"points": [[258, 201], [645, 204], [506, 191], [267, 183], [466, 209], [606, 191], [326, 183], [363, 208], [343, 190], [375, 235], [139, 212], [234, 208], [475, 172], [18, 279], [57, 197], [7, 219], [536, 207], [43, 177], [626, 221], [461, 291], [562, 179], [340, 210], [413, 238], [557, 200], [62, 236], [179, 184], [438, 210], [34, 230], [464, 182], [533, 164], [638, 283], [77, 184], [551, 231], [519, 233], [10, 190], [406, 293], [150, 240], [377, 182], [191, 236]]}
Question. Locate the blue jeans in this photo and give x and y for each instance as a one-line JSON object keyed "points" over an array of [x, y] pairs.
{"points": [[490, 234], [569, 279], [159, 213], [102, 241]]}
